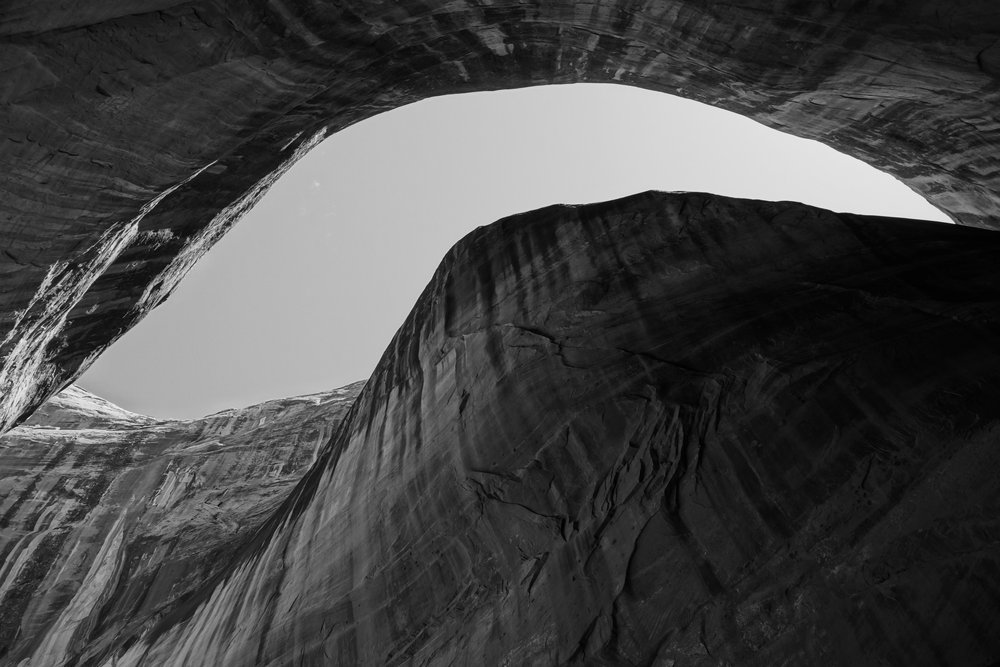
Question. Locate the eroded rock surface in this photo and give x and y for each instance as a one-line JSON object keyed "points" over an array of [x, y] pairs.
{"points": [[108, 519], [133, 134], [670, 429]]}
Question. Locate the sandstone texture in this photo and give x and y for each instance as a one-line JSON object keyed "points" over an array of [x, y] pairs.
{"points": [[670, 429], [109, 520], [135, 133], [667, 430]]}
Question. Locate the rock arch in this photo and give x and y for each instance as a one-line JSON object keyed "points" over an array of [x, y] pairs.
{"points": [[136, 133]]}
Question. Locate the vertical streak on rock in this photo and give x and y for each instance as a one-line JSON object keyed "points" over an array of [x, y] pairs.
{"points": [[95, 585], [190, 494]]}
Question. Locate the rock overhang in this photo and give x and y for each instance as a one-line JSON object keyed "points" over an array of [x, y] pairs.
{"points": [[147, 130]]}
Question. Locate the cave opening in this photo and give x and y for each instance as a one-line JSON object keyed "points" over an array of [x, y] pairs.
{"points": [[305, 292], [836, 513]]}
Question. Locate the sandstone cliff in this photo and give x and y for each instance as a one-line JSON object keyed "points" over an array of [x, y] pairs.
{"points": [[108, 519], [670, 429], [135, 133], [665, 430]]}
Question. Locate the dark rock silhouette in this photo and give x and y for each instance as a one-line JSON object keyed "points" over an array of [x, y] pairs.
{"points": [[668, 429]]}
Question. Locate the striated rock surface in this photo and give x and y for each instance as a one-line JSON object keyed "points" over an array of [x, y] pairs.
{"points": [[109, 520], [133, 134], [670, 429]]}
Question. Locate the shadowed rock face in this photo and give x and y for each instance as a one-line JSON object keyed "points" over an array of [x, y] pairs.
{"points": [[108, 519], [136, 133], [669, 429], [664, 430]]}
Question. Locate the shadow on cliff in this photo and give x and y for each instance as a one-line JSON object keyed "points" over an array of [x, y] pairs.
{"points": [[669, 427]]}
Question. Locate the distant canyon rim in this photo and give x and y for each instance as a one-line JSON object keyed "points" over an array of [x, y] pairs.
{"points": [[806, 479]]}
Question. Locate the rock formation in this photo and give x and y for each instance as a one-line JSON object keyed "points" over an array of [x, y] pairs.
{"points": [[109, 519], [664, 430], [136, 132], [669, 429]]}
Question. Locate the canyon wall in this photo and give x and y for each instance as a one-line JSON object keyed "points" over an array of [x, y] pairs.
{"points": [[108, 519], [669, 429], [135, 133]]}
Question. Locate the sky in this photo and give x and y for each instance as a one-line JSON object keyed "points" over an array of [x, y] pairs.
{"points": [[305, 293]]}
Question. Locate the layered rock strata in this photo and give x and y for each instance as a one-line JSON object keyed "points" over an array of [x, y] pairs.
{"points": [[134, 134], [670, 429], [109, 520]]}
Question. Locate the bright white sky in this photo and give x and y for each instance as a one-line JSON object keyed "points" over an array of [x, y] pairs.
{"points": [[307, 290]]}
